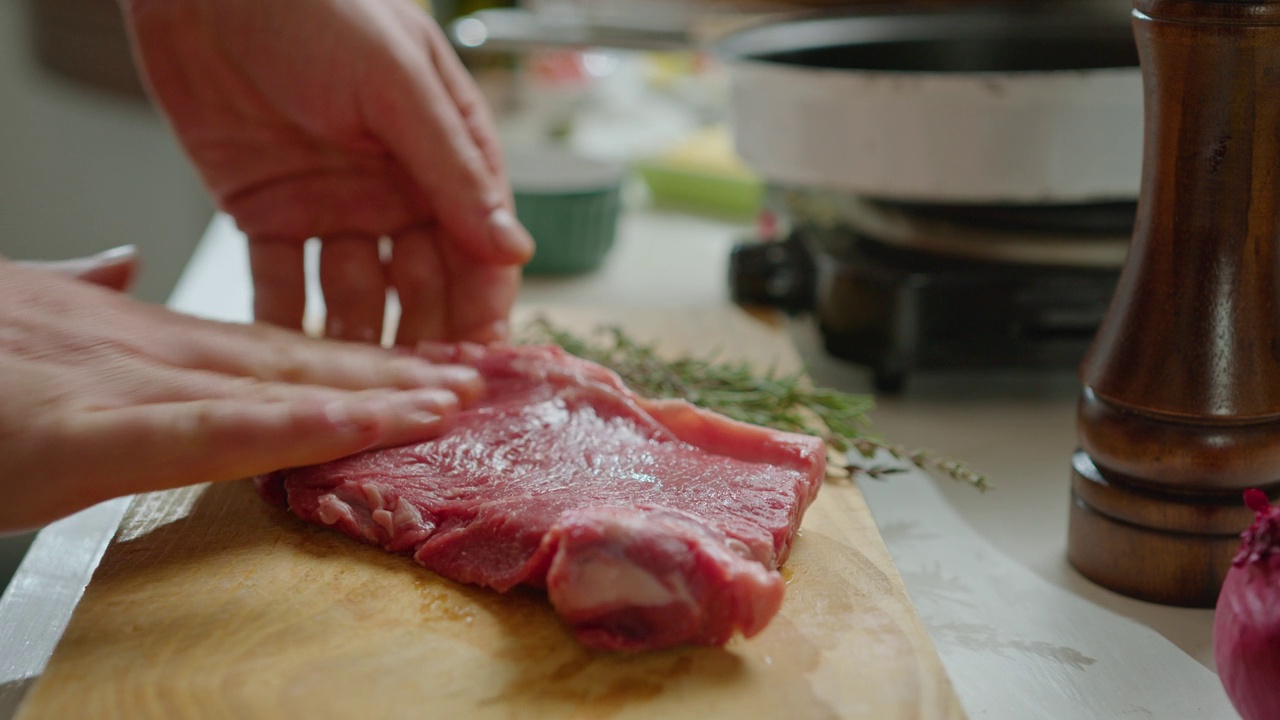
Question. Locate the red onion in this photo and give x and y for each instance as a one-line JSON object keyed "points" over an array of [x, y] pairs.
{"points": [[1246, 626]]}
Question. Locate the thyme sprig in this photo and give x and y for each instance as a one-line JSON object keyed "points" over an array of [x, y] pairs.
{"points": [[783, 401]]}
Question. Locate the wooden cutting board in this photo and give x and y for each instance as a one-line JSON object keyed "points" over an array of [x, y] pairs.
{"points": [[211, 604]]}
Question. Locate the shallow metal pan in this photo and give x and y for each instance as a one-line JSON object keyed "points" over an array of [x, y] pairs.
{"points": [[1001, 104]]}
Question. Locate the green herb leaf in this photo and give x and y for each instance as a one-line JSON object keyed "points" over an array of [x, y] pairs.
{"points": [[783, 401]]}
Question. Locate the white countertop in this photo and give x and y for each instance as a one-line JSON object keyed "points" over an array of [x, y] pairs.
{"points": [[1022, 635]]}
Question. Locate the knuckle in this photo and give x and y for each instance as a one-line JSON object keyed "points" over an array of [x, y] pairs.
{"points": [[203, 418], [414, 279], [286, 364]]}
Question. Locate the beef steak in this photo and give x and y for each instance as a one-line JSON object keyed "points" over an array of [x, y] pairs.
{"points": [[649, 523]]}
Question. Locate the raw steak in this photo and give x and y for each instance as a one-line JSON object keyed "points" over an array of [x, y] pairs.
{"points": [[650, 524]]}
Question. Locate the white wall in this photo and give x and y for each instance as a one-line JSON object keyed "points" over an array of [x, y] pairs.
{"points": [[84, 170]]}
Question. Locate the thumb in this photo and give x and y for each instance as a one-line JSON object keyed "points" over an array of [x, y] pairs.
{"points": [[115, 269]]}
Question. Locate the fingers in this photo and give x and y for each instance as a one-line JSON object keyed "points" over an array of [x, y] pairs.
{"points": [[506, 232], [467, 99], [480, 298], [270, 354], [279, 286], [418, 274], [154, 447], [446, 386], [355, 288], [115, 269], [416, 116], [461, 299], [445, 294]]}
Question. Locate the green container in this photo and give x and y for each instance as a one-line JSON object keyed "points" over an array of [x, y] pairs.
{"points": [[573, 231], [721, 195], [569, 204]]}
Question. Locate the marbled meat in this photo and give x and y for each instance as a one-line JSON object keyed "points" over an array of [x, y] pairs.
{"points": [[649, 523]]}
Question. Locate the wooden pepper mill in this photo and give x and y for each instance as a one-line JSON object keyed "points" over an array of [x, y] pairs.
{"points": [[1181, 405]]}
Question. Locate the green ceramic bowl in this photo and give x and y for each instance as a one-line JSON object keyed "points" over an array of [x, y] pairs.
{"points": [[569, 204]]}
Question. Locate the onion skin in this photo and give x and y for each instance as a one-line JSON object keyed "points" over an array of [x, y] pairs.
{"points": [[1246, 626]]}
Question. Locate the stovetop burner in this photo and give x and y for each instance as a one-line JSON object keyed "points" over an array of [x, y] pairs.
{"points": [[1094, 236], [1105, 219], [905, 290]]}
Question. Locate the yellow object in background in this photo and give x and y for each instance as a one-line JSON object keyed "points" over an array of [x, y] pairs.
{"points": [[664, 69], [703, 173], [709, 150]]}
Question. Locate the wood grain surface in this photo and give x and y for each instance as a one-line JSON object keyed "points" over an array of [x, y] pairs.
{"points": [[212, 604]]}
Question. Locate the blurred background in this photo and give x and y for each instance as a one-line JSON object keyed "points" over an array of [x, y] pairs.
{"points": [[87, 164]]}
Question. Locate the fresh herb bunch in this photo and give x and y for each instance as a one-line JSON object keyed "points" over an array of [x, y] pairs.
{"points": [[781, 401]]}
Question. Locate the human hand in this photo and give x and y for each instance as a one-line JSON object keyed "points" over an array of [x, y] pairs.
{"points": [[115, 269], [106, 396], [346, 120]]}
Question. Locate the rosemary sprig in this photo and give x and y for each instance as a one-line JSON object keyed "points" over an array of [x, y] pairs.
{"points": [[784, 401]]}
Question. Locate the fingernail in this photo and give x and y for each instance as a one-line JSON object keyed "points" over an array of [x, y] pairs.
{"points": [[466, 383], [436, 351], [117, 253], [496, 331], [422, 417], [509, 237], [339, 415], [432, 400], [499, 330], [433, 372], [453, 374]]}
